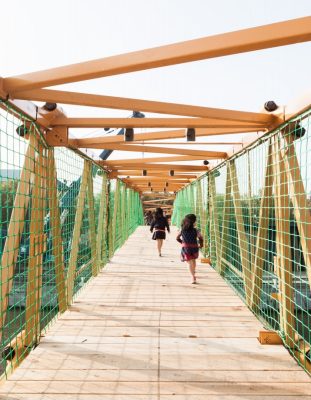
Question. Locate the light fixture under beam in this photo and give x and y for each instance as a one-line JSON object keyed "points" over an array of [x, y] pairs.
{"points": [[190, 135], [129, 135]]}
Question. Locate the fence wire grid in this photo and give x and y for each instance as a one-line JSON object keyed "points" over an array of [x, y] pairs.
{"points": [[61, 220], [254, 212]]}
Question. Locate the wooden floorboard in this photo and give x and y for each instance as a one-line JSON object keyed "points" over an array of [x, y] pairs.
{"points": [[141, 331]]}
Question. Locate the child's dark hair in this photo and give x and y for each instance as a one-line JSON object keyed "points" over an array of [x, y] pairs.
{"points": [[158, 213], [188, 222]]}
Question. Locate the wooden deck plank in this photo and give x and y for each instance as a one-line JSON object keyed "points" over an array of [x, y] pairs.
{"points": [[139, 330]]}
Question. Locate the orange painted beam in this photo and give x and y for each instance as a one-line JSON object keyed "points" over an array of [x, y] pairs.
{"points": [[172, 134], [143, 179], [153, 149], [164, 167], [196, 143], [149, 159], [121, 103], [85, 122], [152, 174], [245, 40]]}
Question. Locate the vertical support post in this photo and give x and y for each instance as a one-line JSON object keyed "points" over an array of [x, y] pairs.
{"points": [[200, 208], [122, 214], [76, 232], [36, 250], [114, 219], [126, 212], [250, 211], [204, 217], [56, 232], [102, 224], [225, 222], [262, 240], [91, 217], [283, 258], [16, 226], [131, 204], [243, 243], [198, 211], [214, 225], [299, 199]]}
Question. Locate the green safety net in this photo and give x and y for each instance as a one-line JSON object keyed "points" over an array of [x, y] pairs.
{"points": [[255, 213], [61, 220], [125, 213]]}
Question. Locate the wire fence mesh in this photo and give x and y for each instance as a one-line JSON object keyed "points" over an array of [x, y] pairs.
{"points": [[258, 229], [61, 219]]}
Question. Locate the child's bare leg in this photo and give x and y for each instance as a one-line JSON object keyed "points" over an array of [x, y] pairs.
{"points": [[194, 264], [159, 243], [191, 264]]}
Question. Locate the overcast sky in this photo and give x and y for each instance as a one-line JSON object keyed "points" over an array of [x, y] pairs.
{"points": [[38, 35]]}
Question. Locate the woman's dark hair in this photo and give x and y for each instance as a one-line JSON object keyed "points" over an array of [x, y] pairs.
{"points": [[188, 222], [158, 213]]}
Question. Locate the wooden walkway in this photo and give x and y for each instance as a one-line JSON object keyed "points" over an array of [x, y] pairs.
{"points": [[141, 331]]}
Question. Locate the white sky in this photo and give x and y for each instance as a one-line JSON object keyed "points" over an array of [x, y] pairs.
{"points": [[38, 35]]}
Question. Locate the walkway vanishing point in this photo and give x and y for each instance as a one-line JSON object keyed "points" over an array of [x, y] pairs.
{"points": [[140, 331]]}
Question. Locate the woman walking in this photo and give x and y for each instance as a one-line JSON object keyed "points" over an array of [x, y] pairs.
{"points": [[188, 237], [159, 224]]}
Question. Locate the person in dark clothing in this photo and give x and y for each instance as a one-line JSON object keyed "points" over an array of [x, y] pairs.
{"points": [[159, 224], [148, 217], [189, 237]]}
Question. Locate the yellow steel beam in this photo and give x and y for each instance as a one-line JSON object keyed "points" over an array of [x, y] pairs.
{"points": [[245, 40], [120, 103], [152, 175], [165, 167], [172, 134], [156, 179], [146, 160], [87, 122], [154, 149], [188, 143]]}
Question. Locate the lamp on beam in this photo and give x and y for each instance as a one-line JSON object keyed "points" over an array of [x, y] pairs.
{"points": [[298, 131], [270, 106], [22, 130], [190, 135], [129, 135], [104, 155], [50, 106]]}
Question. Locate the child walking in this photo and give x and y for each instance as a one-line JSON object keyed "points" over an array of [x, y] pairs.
{"points": [[159, 224], [188, 237]]}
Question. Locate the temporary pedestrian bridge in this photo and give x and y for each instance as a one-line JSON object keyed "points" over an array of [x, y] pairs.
{"points": [[68, 221]]}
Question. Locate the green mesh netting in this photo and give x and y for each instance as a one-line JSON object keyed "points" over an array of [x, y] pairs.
{"points": [[58, 211], [254, 211]]}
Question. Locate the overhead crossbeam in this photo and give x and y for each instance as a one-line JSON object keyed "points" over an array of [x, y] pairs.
{"points": [[120, 103], [143, 179], [86, 122], [154, 149], [165, 167], [188, 143], [152, 174], [172, 134], [159, 186], [245, 40], [149, 160]]}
